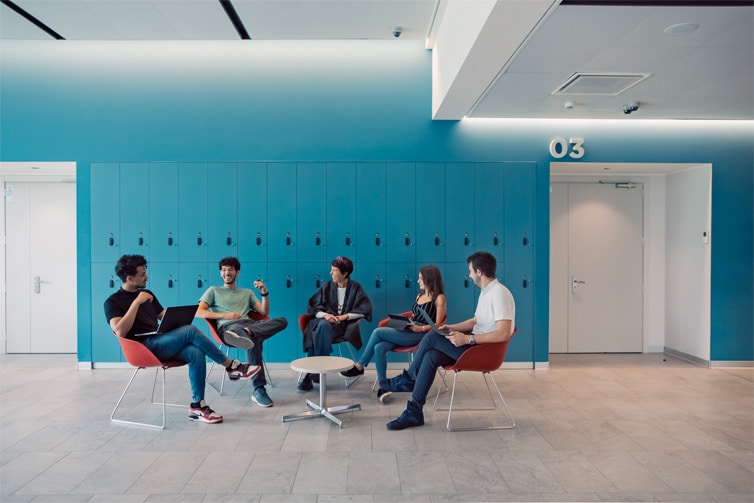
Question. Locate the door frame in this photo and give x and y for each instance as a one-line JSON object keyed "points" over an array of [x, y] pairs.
{"points": [[653, 176], [54, 172]]}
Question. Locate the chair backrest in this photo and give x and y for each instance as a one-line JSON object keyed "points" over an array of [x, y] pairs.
{"points": [[137, 354], [303, 320], [483, 357]]}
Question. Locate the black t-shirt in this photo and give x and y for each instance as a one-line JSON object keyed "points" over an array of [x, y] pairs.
{"points": [[118, 303]]}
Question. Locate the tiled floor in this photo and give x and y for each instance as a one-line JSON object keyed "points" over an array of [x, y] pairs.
{"points": [[591, 428]]}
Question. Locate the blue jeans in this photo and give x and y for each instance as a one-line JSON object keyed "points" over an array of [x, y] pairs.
{"points": [[190, 345], [434, 352], [322, 337], [382, 341]]}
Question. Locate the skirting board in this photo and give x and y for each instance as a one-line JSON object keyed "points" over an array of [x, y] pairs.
{"points": [[709, 363]]}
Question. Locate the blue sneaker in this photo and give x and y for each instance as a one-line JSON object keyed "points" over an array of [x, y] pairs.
{"points": [[261, 398], [401, 383]]}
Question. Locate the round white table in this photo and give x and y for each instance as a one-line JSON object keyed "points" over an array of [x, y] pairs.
{"points": [[322, 365]]}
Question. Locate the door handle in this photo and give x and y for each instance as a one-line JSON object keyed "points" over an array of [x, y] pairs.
{"points": [[37, 284], [575, 282]]}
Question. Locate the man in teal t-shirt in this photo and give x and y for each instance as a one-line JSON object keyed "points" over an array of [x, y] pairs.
{"points": [[230, 306]]}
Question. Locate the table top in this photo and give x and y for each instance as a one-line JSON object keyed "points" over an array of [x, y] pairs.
{"points": [[321, 364]]}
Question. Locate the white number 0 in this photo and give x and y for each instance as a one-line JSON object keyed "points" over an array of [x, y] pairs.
{"points": [[574, 148]]}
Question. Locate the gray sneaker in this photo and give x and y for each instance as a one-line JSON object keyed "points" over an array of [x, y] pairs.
{"points": [[237, 341], [261, 398]]}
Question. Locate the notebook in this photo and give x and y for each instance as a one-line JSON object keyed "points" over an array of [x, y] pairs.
{"points": [[398, 321], [431, 323], [175, 317]]}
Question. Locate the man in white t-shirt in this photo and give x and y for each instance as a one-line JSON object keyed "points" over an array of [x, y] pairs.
{"points": [[494, 321], [230, 306]]}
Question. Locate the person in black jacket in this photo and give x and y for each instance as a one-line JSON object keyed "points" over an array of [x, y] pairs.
{"points": [[335, 311]]}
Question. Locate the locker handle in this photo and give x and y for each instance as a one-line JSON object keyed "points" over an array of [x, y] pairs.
{"points": [[141, 239], [288, 240], [170, 239], [170, 281], [407, 239], [199, 281], [525, 240], [199, 238], [111, 240], [466, 282], [495, 240], [408, 282], [377, 240], [112, 282], [348, 239], [259, 239], [317, 281], [466, 240], [525, 281], [437, 239], [288, 281], [377, 281], [228, 240], [317, 240]]}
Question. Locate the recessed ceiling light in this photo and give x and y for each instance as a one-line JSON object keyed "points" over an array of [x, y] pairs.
{"points": [[681, 28]]}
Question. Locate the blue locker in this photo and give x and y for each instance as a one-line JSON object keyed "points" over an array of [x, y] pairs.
{"points": [[460, 291], [490, 210], [281, 221], [105, 212], [311, 211], [163, 212], [134, 208], [283, 284], [460, 211], [370, 212], [341, 210], [222, 210], [401, 287], [400, 205], [105, 346], [252, 212], [430, 213], [192, 207], [163, 281], [373, 277]]}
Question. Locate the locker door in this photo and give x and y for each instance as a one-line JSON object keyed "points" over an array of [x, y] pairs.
{"points": [[370, 212], [163, 212], [311, 211], [341, 210], [194, 278], [401, 287], [460, 291], [134, 208], [192, 190], [489, 209], [372, 276], [105, 208], [401, 207], [281, 185], [519, 254], [283, 284], [222, 210], [460, 211], [105, 347], [430, 214], [164, 282], [252, 212]]}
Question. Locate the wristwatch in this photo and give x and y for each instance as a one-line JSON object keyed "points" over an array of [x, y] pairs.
{"points": [[471, 340]]}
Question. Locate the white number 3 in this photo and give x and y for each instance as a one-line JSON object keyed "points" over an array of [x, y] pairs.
{"points": [[574, 148]]}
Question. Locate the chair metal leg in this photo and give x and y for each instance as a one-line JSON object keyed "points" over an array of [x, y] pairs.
{"points": [[509, 425], [222, 379], [162, 403]]}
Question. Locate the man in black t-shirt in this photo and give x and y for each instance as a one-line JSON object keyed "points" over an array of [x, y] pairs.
{"points": [[134, 310]]}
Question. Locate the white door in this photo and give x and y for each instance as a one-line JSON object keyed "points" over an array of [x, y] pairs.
{"points": [[597, 268], [41, 267]]}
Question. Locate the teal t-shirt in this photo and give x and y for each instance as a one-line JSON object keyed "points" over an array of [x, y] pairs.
{"points": [[225, 300]]}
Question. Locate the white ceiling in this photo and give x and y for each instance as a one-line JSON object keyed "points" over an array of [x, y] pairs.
{"points": [[492, 58]]}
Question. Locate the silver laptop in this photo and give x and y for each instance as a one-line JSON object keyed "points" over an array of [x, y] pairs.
{"points": [[398, 321], [175, 317], [431, 323]]}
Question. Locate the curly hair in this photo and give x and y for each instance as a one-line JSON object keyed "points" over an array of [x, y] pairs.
{"points": [[230, 262], [127, 265]]}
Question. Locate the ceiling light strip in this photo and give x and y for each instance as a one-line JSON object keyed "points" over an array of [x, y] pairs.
{"points": [[39, 24], [230, 11]]}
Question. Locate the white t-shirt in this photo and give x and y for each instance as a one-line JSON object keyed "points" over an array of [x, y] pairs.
{"points": [[495, 303]]}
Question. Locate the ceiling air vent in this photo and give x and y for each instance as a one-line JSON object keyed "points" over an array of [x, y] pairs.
{"points": [[606, 84]]}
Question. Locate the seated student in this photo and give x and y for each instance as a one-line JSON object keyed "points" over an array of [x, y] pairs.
{"points": [[230, 306], [493, 321], [336, 309], [135, 310], [432, 300]]}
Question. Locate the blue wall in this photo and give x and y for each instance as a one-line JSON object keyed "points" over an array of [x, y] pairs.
{"points": [[361, 100]]}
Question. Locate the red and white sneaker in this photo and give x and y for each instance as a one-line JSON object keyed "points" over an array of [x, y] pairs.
{"points": [[242, 371], [202, 413]]}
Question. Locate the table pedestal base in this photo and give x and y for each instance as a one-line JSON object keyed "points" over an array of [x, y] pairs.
{"points": [[321, 409]]}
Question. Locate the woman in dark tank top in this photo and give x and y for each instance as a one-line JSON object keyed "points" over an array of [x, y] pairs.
{"points": [[431, 299]]}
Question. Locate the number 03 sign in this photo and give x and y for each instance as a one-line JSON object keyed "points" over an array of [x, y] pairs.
{"points": [[573, 148]]}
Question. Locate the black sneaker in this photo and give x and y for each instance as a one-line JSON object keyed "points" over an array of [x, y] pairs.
{"points": [[305, 384], [384, 395], [352, 372], [314, 378]]}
